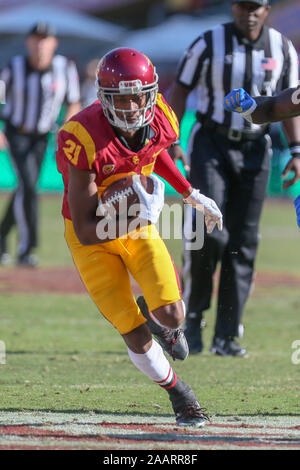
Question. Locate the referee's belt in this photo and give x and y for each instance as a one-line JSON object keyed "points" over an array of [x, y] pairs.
{"points": [[233, 135]]}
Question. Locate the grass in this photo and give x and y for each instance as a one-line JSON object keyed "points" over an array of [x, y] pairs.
{"points": [[62, 355], [279, 248]]}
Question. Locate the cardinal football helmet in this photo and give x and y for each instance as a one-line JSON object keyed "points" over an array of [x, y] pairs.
{"points": [[128, 72]]}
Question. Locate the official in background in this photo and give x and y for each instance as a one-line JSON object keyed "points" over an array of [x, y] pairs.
{"points": [[229, 160], [88, 91], [36, 87]]}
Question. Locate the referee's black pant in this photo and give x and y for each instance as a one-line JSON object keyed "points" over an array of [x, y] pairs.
{"points": [[235, 175], [26, 153]]}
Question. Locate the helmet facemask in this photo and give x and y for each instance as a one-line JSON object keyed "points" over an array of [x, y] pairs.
{"points": [[133, 87]]}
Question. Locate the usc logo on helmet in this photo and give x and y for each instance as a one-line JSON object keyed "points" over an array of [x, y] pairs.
{"points": [[135, 160]]}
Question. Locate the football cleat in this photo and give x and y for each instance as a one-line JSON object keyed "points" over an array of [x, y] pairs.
{"points": [[186, 407], [172, 341]]}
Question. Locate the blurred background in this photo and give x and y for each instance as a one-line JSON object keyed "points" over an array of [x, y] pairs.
{"points": [[59, 357], [160, 28]]}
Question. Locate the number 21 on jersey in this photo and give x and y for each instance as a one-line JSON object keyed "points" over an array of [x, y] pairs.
{"points": [[72, 151]]}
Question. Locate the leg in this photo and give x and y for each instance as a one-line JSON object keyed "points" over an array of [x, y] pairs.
{"points": [[28, 202], [171, 340], [106, 279], [139, 340], [147, 355], [37, 154], [19, 146], [6, 225], [246, 199], [209, 173], [8, 220], [171, 315], [101, 268], [27, 153], [150, 264]]}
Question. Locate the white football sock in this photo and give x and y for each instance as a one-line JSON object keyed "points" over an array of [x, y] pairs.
{"points": [[154, 364]]}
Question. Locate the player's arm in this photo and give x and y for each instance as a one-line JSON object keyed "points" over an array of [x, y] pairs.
{"points": [[285, 106], [83, 202], [165, 167], [277, 108], [264, 109]]}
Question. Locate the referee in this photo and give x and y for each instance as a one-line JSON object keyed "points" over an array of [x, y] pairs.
{"points": [[36, 87], [229, 160]]}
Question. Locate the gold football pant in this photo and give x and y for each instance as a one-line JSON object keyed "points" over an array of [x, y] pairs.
{"points": [[104, 270]]}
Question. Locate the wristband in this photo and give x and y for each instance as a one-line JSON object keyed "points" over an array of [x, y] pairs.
{"points": [[247, 114], [295, 149], [177, 142]]}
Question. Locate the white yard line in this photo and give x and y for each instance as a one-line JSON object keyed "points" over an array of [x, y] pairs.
{"points": [[91, 430]]}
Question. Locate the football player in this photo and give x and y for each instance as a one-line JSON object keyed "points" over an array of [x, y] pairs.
{"points": [[127, 132], [263, 109]]}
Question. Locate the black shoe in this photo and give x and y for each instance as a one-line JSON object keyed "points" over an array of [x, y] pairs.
{"points": [[5, 259], [193, 333], [186, 407], [29, 260], [172, 341], [227, 347]]}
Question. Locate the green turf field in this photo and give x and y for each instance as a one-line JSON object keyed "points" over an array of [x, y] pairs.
{"points": [[61, 354]]}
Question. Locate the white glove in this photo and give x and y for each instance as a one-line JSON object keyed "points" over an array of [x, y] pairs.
{"points": [[212, 213], [150, 204]]}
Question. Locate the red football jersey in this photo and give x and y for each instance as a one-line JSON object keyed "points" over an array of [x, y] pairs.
{"points": [[88, 142]]}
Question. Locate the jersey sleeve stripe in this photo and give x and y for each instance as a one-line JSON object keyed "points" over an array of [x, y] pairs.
{"points": [[169, 113]]}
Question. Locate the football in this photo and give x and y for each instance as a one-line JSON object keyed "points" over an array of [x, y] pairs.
{"points": [[121, 196]]}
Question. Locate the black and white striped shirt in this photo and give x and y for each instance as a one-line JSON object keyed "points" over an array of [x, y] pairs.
{"points": [[34, 98], [222, 59]]}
